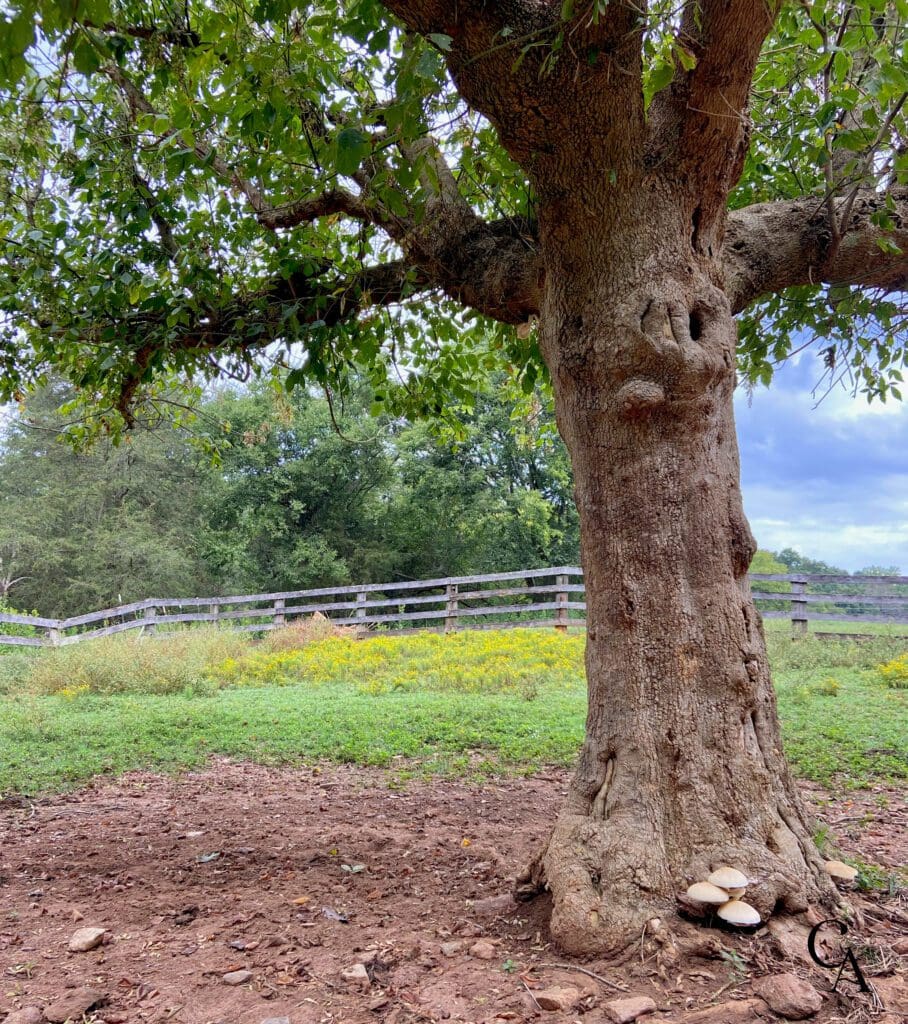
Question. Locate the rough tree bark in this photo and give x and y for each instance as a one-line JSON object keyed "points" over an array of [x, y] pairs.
{"points": [[682, 766]]}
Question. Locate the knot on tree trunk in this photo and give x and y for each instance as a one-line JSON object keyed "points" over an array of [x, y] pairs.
{"points": [[637, 398]]}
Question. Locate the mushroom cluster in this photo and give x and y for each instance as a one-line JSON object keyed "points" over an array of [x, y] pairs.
{"points": [[725, 887], [840, 871]]}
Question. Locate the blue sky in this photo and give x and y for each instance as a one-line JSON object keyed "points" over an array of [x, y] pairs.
{"points": [[831, 479]]}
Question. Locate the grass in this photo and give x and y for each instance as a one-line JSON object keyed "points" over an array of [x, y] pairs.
{"points": [[472, 704]]}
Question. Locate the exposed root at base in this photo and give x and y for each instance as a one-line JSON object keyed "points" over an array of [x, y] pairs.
{"points": [[608, 890]]}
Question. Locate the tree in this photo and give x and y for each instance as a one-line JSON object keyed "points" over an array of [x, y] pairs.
{"points": [[96, 528], [644, 193]]}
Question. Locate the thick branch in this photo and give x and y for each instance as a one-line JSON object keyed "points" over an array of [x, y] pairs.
{"points": [[304, 211], [699, 124], [542, 78], [773, 246]]}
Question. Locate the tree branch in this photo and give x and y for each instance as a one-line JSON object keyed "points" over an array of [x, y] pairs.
{"points": [[304, 211], [534, 69], [699, 124], [299, 211], [773, 246]]}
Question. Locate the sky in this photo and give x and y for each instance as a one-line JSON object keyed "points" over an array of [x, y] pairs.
{"points": [[830, 480]]}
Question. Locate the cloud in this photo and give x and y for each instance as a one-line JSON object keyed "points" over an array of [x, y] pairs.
{"points": [[830, 479]]}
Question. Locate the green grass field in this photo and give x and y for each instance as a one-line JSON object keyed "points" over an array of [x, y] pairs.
{"points": [[474, 704]]}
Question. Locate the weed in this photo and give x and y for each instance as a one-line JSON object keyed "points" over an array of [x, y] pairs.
{"points": [[895, 673]]}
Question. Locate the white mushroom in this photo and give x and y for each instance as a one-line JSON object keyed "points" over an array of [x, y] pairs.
{"points": [[728, 878], [840, 871], [737, 892], [705, 892], [739, 913]]}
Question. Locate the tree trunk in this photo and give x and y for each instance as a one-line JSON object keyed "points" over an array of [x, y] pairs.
{"points": [[682, 767]]}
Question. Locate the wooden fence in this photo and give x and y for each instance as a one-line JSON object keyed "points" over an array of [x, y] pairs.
{"points": [[531, 597]]}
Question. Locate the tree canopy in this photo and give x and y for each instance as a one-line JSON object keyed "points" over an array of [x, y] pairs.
{"points": [[214, 188]]}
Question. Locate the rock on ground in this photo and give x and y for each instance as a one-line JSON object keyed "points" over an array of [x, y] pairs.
{"points": [[73, 1005], [236, 977], [27, 1015], [85, 939], [789, 996], [560, 998], [735, 1011], [357, 975], [623, 1011], [483, 950]]}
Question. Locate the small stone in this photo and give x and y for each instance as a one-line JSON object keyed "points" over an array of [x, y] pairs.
{"points": [[483, 950], [790, 937], [735, 1011], [494, 906], [85, 939], [74, 1005], [27, 1015], [900, 946], [236, 977], [623, 1011], [789, 996], [379, 1003], [558, 998], [451, 948], [276, 1020], [357, 975]]}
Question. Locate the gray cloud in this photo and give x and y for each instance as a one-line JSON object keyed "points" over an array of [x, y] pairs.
{"points": [[831, 481]]}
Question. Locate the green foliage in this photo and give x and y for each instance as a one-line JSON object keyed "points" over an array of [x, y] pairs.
{"points": [[302, 493], [144, 147], [92, 529], [827, 104]]}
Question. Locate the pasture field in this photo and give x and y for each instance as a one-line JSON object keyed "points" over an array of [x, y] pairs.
{"points": [[472, 704]]}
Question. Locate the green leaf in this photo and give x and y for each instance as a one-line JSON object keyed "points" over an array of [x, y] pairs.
{"points": [[442, 41], [85, 57], [19, 34], [352, 148]]}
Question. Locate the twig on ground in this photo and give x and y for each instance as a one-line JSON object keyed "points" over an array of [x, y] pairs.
{"points": [[591, 974], [527, 987]]}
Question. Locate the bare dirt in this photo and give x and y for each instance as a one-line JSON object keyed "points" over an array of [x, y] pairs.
{"points": [[298, 875]]}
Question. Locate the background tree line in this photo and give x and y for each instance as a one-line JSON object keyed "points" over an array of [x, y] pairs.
{"points": [[269, 491], [300, 493]]}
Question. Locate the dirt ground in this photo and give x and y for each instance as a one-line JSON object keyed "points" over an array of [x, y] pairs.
{"points": [[298, 875]]}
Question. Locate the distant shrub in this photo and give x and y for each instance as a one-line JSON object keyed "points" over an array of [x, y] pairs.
{"points": [[818, 653], [828, 687], [14, 628], [895, 673], [134, 664], [297, 634]]}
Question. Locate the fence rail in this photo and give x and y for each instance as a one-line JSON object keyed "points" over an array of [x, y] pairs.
{"points": [[530, 597]]}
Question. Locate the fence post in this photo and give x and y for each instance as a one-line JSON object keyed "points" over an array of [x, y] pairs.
{"points": [[150, 615], [279, 619], [214, 610], [54, 637], [451, 608], [561, 613], [360, 611], [798, 607]]}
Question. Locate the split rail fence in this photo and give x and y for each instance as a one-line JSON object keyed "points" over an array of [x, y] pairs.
{"points": [[532, 597]]}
